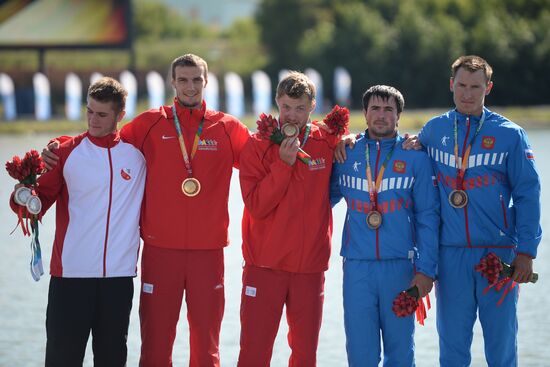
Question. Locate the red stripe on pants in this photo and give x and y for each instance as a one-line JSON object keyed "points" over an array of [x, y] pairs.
{"points": [[264, 293], [165, 275]]}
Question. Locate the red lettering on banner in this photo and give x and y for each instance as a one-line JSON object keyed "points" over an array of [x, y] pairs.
{"points": [[358, 206]]}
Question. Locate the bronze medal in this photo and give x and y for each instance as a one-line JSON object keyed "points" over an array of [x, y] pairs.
{"points": [[191, 187], [458, 199], [22, 195], [374, 219], [290, 130]]}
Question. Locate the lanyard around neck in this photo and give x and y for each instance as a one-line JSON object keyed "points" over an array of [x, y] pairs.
{"points": [[186, 158], [463, 165], [375, 187]]}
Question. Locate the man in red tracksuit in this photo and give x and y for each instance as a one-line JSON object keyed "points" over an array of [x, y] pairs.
{"points": [[184, 224], [287, 227], [184, 217]]}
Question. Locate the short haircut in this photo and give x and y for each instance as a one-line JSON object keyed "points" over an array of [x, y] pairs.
{"points": [[189, 60], [472, 63], [109, 90], [295, 85], [385, 92]]}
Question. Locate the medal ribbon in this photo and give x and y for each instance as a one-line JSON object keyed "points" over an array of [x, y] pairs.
{"points": [[374, 187], [186, 159], [461, 169], [302, 155]]}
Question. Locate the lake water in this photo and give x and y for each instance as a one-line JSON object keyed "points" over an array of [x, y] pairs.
{"points": [[23, 301]]}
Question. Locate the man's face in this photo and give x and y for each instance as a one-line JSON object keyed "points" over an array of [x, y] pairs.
{"points": [[189, 83], [469, 91], [102, 117], [382, 117], [295, 110]]}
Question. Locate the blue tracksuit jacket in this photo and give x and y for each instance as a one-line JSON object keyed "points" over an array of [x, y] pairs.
{"points": [[408, 200]]}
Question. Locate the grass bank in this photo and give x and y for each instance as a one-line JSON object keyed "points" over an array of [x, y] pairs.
{"points": [[411, 120]]}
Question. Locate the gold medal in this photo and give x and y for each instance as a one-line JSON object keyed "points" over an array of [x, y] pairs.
{"points": [[191, 187], [374, 219], [290, 130], [458, 199]]}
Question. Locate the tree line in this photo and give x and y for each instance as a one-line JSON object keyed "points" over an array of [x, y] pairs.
{"points": [[411, 44]]}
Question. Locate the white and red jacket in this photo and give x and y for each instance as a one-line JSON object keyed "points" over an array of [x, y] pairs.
{"points": [[98, 188]]}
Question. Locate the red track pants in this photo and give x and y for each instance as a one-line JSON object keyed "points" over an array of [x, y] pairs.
{"points": [[264, 293], [165, 275]]}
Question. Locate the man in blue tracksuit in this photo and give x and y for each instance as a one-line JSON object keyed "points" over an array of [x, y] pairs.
{"points": [[390, 234], [495, 163]]}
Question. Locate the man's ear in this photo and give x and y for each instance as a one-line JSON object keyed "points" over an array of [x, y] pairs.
{"points": [[120, 116], [451, 84], [489, 88]]}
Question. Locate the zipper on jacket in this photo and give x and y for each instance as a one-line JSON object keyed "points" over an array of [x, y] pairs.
{"points": [[503, 206], [108, 214], [375, 177], [466, 207]]}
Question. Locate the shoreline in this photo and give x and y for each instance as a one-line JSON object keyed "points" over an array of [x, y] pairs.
{"points": [[532, 117]]}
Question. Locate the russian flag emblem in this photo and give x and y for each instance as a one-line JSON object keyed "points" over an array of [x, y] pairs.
{"points": [[529, 154]]}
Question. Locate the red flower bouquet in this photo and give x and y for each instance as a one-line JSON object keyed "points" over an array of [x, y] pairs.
{"points": [[337, 120], [498, 274], [268, 128], [492, 268], [25, 171], [408, 302]]}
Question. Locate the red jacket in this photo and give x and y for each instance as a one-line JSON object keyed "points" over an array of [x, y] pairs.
{"points": [[287, 220], [169, 218]]}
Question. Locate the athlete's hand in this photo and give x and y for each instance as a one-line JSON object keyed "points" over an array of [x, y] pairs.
{"points": [[424, 284], [411, 142], [288, 150], [523, 268], [49, 157], [340, 151]]}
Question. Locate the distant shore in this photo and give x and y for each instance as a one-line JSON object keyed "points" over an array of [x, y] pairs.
{"points": [[533, 117]]}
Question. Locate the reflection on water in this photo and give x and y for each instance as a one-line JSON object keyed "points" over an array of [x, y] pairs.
{"points": [[23, 302]]}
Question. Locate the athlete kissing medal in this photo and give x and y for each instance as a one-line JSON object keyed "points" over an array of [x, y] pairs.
{"points": [[374, 216], [191, 185], [374, 219], [290, 130], [458, 199]]}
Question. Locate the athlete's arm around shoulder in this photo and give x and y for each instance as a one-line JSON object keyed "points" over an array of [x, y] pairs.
{"points": [[238, 135], [136, 131]]}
